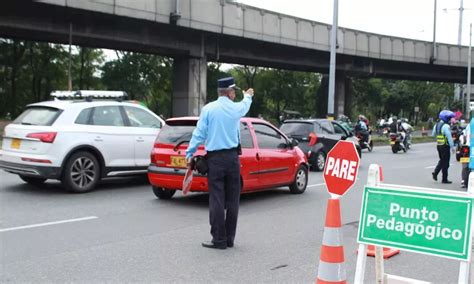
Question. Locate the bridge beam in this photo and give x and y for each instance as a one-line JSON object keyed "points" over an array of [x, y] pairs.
{"points": [[189, 85]]}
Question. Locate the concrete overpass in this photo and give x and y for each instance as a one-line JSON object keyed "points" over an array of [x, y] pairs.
{"points": [[196, 31]]}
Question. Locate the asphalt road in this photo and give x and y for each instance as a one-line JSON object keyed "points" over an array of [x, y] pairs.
{"points": [[122, 233]]}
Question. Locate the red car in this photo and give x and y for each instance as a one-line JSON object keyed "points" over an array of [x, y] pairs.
{"points": [[269, 158]]}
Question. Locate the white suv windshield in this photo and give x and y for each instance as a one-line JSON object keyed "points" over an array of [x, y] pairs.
{"points": [[37, 115]]}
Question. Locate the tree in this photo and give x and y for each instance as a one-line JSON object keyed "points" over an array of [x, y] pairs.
{"points": [[145, 77]]}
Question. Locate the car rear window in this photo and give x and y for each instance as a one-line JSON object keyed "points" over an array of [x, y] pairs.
{"points": [[44, 116], [176, 131], [297, 128]]}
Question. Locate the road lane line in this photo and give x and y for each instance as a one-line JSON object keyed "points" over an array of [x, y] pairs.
{"points": [[432, 167], [48, 224], [315, 185]]}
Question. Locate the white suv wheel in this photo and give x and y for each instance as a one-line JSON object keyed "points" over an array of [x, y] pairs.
{"points": [[81, 173]]}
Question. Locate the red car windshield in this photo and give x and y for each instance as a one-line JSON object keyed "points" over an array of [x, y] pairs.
{"points": [[176, 131]]}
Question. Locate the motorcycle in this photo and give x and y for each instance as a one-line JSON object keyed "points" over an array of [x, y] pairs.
{"points": [[369, 145], [398, 143], [464, 159], [457, 134], [383, 130]]}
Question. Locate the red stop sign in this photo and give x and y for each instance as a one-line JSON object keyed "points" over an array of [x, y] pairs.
{"points": [[342, 164]]}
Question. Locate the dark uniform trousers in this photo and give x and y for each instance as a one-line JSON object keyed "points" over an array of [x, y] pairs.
{"points": [[443, 164], [224, 194]]}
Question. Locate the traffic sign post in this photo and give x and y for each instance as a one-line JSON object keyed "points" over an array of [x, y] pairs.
{"points": [[340, 171], [421, 220], [340, 174]]}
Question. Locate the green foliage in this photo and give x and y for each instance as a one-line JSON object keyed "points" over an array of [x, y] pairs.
{"points": [[381, 98], [145, 77], [29, 71], [278, 90]]}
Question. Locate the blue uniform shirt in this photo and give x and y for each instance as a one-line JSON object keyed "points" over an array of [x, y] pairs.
{"points": [[219, 125], [446, 132]]}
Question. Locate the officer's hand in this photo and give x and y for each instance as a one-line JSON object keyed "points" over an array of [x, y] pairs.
{"points": [[188, 162], [249, 91]]}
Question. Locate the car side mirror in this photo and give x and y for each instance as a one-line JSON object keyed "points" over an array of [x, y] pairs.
{"points": [[293, 142]]}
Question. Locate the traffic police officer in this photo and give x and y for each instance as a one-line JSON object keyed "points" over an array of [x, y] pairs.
{"points": [[219, 128], [444, 143]]}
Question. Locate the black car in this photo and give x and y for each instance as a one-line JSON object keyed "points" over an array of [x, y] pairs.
{"points": [[317, 137]]}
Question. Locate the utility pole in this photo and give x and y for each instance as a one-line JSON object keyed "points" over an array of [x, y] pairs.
{"points": [[69, 71], [332, 62], [458, 87], [469, 63]]}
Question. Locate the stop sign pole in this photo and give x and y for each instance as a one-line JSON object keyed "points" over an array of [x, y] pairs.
{"points": [[340, 174], [340, 171]]}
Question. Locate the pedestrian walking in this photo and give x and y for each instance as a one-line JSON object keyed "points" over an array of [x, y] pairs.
{"points": [[218, 128], [444, 143]]}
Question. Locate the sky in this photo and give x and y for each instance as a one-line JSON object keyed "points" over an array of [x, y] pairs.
{"points": [[402, 18]]}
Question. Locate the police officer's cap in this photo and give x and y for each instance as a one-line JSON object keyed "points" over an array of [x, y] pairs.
{"points": [[226, 83]]}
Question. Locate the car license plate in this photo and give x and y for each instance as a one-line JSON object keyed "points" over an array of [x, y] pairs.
{"points": [[15, 143], [178, 161], [392, 142], [464, 160]]}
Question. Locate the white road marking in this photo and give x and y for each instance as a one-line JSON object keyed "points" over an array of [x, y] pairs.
{"points": [[432, 167], [48, 224], [315, 185]]}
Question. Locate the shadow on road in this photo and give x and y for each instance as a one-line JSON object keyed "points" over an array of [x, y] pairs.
{"points": [[55, 187], [197, 200]]}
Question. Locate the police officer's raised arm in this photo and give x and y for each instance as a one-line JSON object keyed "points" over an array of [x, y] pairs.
{"points": [[244, 105], [199, 134]]}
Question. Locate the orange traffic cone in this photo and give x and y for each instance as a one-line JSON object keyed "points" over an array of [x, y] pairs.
{"points": [[331, 261], [387, 252]]}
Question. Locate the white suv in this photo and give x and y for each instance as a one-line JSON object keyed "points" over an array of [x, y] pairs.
{"points": [[80, 141]]}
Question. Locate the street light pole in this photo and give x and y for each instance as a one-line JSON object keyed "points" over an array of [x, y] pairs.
{"points": [[332, 61], [461, 10], [433, 57]]}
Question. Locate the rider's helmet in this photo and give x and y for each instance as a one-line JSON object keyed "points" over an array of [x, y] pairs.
{"points": [[446, 115]]}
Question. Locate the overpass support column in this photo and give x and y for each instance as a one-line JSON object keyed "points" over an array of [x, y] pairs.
{"points": [[343, 95], [189, 85]]}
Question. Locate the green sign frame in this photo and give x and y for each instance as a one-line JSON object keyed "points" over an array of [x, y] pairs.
{"points": [[427, 221]]}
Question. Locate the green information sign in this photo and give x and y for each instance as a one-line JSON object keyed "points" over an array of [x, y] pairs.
{"points": [[420, 220]]}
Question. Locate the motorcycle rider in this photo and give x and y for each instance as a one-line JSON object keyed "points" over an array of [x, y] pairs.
{"points": [[393, 125], [345, 122], [444, 142], [362, 129], [405, 128]]}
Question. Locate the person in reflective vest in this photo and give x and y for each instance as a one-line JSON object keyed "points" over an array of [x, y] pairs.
{"points": [[444, 143]]}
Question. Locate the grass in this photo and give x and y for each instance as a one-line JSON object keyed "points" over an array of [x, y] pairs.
{"points": [[381, 141]]}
